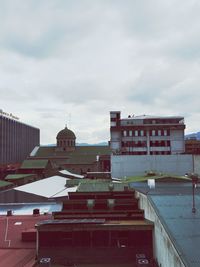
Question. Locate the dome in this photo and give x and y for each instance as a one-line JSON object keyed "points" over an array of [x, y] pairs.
{"points": [[66, 134]]}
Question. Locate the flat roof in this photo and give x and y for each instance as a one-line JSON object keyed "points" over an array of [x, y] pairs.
{"points": [[27, 208], [152, 117]]}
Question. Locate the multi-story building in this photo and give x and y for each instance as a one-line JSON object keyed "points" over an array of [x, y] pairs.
{"points": [[17, 139], [146, 135]]}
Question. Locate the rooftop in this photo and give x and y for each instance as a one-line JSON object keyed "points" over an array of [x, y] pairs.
{"points": [[172, 203], [82, 154], [51, 187], [34, 164]]}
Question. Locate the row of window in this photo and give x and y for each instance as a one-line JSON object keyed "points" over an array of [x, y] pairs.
{"points": [[159, 143], [66, 143], [134, 144], [130, 133]]}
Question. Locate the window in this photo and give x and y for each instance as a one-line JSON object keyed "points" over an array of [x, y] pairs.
{"points": [[153, 132], [130, 133], [124, 133], [159, 132], [142, 133], [165, 132], [136, 133]]}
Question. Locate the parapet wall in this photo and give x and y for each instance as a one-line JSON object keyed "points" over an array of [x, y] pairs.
{"points": [[131, 165]]}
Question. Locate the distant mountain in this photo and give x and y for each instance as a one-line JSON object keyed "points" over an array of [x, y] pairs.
{"points": [[98, 144], [193, 136], [84, 144]]}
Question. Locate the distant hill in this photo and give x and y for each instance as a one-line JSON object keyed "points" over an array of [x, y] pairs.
{"points": [[193, 135], [98, 144]]}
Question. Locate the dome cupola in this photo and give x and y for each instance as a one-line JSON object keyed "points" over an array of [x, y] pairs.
{"points": [[66, 140]]}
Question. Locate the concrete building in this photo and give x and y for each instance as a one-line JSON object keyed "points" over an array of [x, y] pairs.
{"points": [[146, 135], [17, 139], [148, 143]]}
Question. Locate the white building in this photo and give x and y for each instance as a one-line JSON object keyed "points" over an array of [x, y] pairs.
{"points": [[146, 135]]}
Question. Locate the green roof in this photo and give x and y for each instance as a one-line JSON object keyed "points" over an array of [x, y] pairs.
{"points": [[81, 155], [17, 176], [100, 186], [34, 164], [4, 183]]}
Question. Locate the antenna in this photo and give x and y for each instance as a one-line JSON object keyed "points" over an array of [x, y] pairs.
{"points": [[69, 122]]}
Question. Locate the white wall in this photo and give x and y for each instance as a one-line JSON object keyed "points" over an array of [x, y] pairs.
{"points": [[130, 165], [164, 250]]}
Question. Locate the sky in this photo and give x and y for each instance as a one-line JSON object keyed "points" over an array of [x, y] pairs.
{"points": [[71, 62]]}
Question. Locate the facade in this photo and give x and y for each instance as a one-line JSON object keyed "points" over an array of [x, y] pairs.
{"points": [[97, 228], [192, 146], [146, 135], [17, 140]]}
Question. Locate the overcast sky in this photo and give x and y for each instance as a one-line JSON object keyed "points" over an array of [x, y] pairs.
{"points": [[73, 61]]}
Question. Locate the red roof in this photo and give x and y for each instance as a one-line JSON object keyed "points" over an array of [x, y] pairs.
{"points": [[14, 251]]}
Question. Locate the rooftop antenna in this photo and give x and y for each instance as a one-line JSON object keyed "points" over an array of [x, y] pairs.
{"points": [[69, 120]]}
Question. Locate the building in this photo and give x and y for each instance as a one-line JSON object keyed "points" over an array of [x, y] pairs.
{"points": [[17, 139], [192, 146], [98, 226], [146, 135], [144, 143], [78, 159], [176, 227]]}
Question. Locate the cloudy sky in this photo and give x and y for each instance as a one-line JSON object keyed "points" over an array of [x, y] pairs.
{"points": [[73, 61]]}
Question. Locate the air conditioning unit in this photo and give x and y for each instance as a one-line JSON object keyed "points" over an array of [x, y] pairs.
{"points": [[45, 262]]}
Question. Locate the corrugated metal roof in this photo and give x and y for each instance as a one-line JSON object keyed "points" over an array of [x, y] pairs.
{"points": [[183, 226], [51, 187]]}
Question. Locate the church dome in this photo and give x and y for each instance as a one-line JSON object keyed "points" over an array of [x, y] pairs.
{"points": [[66, 134]]}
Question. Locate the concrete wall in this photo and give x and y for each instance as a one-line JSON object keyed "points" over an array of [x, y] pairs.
{"points": [[130, 165], [164, 250], [197, 164]]}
